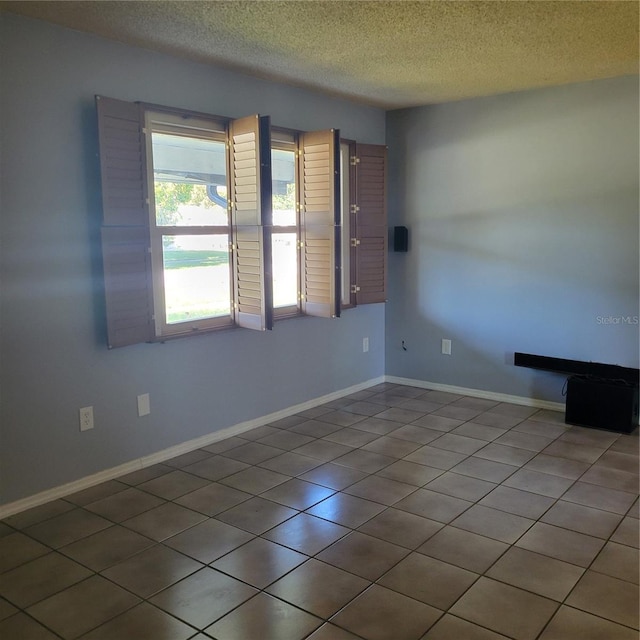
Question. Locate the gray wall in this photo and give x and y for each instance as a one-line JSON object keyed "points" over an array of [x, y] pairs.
{"points": [[53, 354], [523, 219]]}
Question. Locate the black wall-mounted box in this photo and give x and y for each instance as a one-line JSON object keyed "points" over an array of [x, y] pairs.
{"points": [[602, 403], [400, 239]]}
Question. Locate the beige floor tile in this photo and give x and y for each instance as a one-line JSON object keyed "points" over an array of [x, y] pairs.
{"points": [[428, 580], [432, 505], [323, 450], [513, 612], [611, 478], [68, 527], [628, 532], [208, 540], [381, 614], [419, 405], [286, 440], [401, 528], [107, 547], [351, 437], [188, 458], [288, 422], [438, 422], [22, 626], [259, 562], [334, 476], [475, 403], [314, 428], [378, 426], [618, 561], [124, 505], [142, 475], [457, 413], [460, 486], [521, 503], [319, 588], [515, 410], [450, 628], [213, 499], [390, 446], [6, 609], [506, 455], [291, 464], [363, 408], [536, 482], [533, 572], [254, 480], [458, 443], [379, 489], [496, 420], [38, 514], [256, 515], [562, 544], [17, 548], [225, 445], [247, 621], [492, 523], [366, 461], [438, 458], [36, 580], [463, 549], [400, 415], [346, 510], [215, 468], [573, 451], [619, 460], [541, 428], [571, 469], [549, 415], [523, 440], [298, 494], [341, 418], [410, 473], [143, 622], [576, 517], [597, 497], [363, 555], [306, 534], [329, 631], [97, 492], [252, 453], [415, 434], [164, 521], [485, 469], [152, 570], [203, 597], [82, 607], [572, 624], [607, 597], [479, 430]]}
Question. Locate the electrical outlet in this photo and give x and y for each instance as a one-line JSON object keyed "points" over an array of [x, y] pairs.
{"points": [[86, 418], [365, 345], [144, 405], [446, 347]]}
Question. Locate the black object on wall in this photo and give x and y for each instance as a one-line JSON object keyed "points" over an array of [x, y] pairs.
{"points": [[400, 239]]}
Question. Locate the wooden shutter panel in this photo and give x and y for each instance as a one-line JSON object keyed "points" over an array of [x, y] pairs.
{"points": [[371, 224], [320, 220], [125, 234], [250, 180]]}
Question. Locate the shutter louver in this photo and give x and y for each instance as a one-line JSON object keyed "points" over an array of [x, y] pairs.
{"points": [[371, 253], [125, 234], [320, 216], [250, 179]]}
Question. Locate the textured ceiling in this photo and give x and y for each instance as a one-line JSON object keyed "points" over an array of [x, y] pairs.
{"points": [[385, 53]]}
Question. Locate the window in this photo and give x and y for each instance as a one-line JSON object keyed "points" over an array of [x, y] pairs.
{"points": [[212, 223]]}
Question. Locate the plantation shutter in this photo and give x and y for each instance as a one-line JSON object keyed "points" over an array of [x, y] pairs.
{"points": [[371, 224], [125, 231], [250, 199], [319, 171]]}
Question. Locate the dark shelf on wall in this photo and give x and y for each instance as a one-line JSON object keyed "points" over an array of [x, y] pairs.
{"points": [[576, 367]]}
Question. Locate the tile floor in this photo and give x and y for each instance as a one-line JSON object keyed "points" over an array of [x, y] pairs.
{"points": [[393, 514]]}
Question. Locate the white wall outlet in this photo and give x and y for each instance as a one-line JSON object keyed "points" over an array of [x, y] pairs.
{"points": [[446, 347], [365, 345], [144, 405], [86, 418]]}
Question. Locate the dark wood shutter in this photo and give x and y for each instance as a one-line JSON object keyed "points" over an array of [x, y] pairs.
{"points": [[371, 224], [319, 170], [250, 180], [125, 231]]}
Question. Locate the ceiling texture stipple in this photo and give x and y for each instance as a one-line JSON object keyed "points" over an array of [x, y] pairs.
{"points": [[390, 54]]}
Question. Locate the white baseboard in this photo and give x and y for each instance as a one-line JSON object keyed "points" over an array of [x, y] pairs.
{"points": [[477, 393], [67, 489]]}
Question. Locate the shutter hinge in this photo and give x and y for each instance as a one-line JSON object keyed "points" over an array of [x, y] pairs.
{"points": [[354, 160], [354, 208], [355, 242], [355, 288]]}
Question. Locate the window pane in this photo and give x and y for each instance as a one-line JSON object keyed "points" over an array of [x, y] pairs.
{"points": [[283, 178], [285, 269], [190, 178], [196, 277]]}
